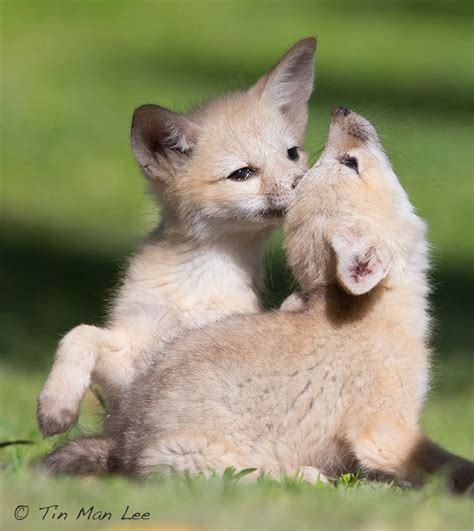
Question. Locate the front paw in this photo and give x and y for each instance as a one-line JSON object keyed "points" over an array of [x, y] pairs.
{"points": [[312, 475], [54, 419]]}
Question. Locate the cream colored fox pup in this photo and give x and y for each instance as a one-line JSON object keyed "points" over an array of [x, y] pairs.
{"points": [[223, 175], [337, 386]]}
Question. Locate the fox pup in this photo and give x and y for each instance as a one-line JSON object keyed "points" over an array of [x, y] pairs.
{"points": [[223, 175], [338, 385]]}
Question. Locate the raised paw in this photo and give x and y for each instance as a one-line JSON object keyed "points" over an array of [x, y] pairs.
{"points": [[53, 419]]}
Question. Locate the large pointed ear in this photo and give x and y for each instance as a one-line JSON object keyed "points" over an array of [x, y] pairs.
{"points": [[157, 133], [289, 83], [362, 262]]}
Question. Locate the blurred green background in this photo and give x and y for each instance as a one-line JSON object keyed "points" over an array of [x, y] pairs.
{"points": [[73, 205]]}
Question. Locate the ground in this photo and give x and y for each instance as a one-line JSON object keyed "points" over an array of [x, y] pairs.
{"points": [[73, 208]]}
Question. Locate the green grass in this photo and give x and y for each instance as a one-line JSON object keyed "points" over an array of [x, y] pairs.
{"points": [[73, 208]]}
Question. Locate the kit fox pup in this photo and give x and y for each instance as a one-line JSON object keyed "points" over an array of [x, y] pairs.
{"points": [[223, 175]]}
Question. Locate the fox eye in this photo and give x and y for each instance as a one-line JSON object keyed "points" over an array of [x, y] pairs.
{"points": [[242, 174], [293, 153], [350, 162]]}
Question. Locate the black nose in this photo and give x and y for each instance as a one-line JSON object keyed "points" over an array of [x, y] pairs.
{"points": [[340, 110]]}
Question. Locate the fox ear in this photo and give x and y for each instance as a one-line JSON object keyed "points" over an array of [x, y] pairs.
{"points": [[157, 133], [289, 83], [361, 262]]}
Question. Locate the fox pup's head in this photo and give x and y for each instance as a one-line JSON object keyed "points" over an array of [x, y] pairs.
{"points": [[351, 221], [230, 165]]}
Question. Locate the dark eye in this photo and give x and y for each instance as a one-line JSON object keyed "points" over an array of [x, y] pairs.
{"points": [[350, 162], [293, 153], [242, 174]]}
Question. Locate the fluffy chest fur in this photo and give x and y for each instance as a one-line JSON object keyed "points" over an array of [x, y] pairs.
{"points": [[176, 288]]}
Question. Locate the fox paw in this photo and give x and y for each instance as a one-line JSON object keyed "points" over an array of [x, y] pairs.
{"points": [[54, 420], [311, 475]]}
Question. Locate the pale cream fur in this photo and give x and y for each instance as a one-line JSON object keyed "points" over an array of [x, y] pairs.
{"points": [[204, 261], [340, 383]]}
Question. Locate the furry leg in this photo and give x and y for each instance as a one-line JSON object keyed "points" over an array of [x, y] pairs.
{"points": [[190, 453], [75, 360]]}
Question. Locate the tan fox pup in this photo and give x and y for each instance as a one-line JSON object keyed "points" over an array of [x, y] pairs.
{"points": [[223, 175], [338, 385]]}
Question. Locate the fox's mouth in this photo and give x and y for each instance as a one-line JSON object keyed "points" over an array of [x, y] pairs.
{"points": [[273, 212]]}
